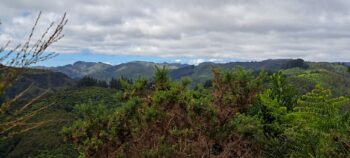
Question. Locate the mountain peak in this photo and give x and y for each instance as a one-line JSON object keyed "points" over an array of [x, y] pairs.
{"points": [[82, 63]]}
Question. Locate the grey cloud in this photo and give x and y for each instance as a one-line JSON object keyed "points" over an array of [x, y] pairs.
{"points": [[207, 29]]}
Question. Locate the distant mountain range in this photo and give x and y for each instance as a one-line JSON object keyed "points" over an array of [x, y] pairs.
{"points": [[56, 78], [136, 69], [305, 75], [79, 69]]}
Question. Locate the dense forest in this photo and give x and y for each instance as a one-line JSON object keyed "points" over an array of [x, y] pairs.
{"points": [[237, 113], [241, 115]]}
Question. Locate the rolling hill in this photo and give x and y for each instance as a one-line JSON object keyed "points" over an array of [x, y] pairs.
{"points": [[80, 69], [331, 75], [66, 95], [41, 80]]}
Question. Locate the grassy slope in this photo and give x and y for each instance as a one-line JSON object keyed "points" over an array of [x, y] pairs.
{"points": [[331, 76]]}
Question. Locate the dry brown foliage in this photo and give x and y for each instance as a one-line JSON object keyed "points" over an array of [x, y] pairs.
{"points": [[13, 63], [180, 129]]}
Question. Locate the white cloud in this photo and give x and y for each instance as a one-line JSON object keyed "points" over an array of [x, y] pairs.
{"points": [[196, 61], [177, 60], [203, 29], [106, 62]]}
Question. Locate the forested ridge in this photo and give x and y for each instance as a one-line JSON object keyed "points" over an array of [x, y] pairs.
{"points": [[237, 113]]}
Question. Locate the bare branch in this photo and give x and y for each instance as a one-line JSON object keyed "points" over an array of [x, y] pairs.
{"points": [[12, 62], [24, 55]]}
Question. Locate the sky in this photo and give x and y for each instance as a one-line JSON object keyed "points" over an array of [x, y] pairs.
{"points": [[186, 31]]}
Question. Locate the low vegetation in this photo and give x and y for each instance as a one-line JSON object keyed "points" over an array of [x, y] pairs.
{"points": [[241, 115], [295, 112]]}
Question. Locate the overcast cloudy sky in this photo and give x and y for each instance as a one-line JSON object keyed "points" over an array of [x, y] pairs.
{"points": [[188, 30]]}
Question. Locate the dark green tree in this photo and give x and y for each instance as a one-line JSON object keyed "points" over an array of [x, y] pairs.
{"points": [[115, 84], [161, 78], [208, 84], [296, 63], [87, 81], [102, 83]]}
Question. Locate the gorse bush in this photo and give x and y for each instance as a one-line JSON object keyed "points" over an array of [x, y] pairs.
{"points": [[239, 115]]}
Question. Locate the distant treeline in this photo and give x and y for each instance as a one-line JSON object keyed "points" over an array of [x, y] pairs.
{"points": [[114, 83]]}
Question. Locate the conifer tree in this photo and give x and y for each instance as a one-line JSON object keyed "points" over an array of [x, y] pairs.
{"points": [[87, 81], [101, 83], [115, 84]]}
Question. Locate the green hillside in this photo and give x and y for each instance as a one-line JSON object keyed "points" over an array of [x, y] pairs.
{"points": [[47, 140], [331, 76], [259, 109], [41, 80]]}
